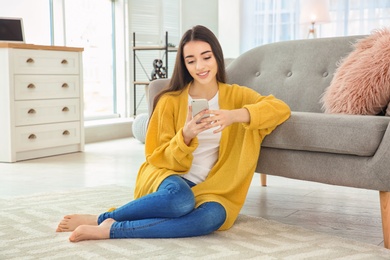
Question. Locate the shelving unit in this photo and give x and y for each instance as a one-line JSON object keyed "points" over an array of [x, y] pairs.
{"points": [[166, 49]]}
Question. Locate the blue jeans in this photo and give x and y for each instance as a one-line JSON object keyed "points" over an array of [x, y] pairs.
{"points": [[167, 213]]}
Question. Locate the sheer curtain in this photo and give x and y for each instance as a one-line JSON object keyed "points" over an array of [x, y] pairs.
{"points": [[266, 21]]}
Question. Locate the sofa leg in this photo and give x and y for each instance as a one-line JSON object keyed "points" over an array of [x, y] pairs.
{"points": [[385, 211], [263, 179]]}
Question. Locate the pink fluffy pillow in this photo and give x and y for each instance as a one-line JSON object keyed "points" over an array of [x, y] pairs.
{"points": [[361, 83]]}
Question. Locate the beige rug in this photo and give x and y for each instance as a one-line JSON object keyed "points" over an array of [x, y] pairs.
{"points": [[27, 227]]}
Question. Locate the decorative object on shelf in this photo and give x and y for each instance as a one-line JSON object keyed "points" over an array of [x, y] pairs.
{"points": [[158, 70], [139, 127], [314, 12]]}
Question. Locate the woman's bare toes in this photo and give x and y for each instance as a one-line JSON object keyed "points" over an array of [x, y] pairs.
{"points": [[71, 222]]}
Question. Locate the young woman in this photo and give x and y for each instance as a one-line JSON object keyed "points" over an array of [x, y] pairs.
{"points": [[197, 174]]}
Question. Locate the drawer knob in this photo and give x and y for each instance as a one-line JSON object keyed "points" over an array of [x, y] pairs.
{"points": [[30, 60], [66, 132], [64, 62], [65, 109], [31, 111], [32, 137], [65, 85], [31, 86]]}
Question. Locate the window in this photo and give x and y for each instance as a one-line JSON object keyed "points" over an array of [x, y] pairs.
{"points": [[356, 17], [267, 21], [88, 24], [77, 23]]}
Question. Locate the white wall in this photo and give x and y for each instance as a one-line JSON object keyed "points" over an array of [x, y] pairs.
{"points": [[229, 27], [36, 18], [199, 12], [220, 16]]}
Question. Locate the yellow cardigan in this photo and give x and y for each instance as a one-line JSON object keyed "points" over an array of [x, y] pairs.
{"points": [[228, 181]]}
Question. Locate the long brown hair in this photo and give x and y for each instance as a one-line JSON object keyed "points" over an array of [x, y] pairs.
{"points": [[180, 76]]}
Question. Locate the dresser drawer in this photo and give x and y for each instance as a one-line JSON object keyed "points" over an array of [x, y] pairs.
{"points": [[44, 87], [44, 136], [46, 111], [45, 62]]}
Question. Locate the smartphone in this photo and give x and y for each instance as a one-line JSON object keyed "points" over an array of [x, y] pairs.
{"points": [[198, 105]]}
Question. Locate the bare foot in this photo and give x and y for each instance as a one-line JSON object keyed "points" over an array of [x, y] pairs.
{"points": [[86, 232], [71, 222]]}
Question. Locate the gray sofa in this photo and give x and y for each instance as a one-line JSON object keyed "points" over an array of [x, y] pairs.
{"points": [[344, 150]]}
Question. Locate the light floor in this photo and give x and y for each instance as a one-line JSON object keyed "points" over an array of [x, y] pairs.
{"points": [[344, 212]]}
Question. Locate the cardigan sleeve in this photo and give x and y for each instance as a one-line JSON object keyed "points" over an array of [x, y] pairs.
{"points": [[164, 143], [266, 112]]}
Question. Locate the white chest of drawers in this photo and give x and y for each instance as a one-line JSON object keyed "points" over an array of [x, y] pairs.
{"points": [[41, 101]]}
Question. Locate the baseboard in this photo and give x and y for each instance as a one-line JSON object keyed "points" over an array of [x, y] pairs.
{"points": [[108, 129]]}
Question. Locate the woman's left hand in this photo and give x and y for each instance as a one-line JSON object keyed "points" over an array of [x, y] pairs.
{"points": [[219, 119], [224, 118]]}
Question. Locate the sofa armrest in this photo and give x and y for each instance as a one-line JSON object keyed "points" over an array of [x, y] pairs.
{"points": [[154, 88], [330, 133]]}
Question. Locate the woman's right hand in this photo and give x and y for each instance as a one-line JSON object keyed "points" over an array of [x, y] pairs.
{"points": [[192, 128]]}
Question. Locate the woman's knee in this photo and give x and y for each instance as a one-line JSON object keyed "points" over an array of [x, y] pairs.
{"points": [[181, 206], [181, 199], [214, 216]]}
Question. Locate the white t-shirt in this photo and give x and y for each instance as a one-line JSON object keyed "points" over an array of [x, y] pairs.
{"points": [[206, 154]]}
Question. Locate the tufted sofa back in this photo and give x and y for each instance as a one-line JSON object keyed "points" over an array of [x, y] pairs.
{"points": [[296, 72]]}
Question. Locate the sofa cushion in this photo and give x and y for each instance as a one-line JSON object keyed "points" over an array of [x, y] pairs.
{"points": [[361, 84], [329, 133]]}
